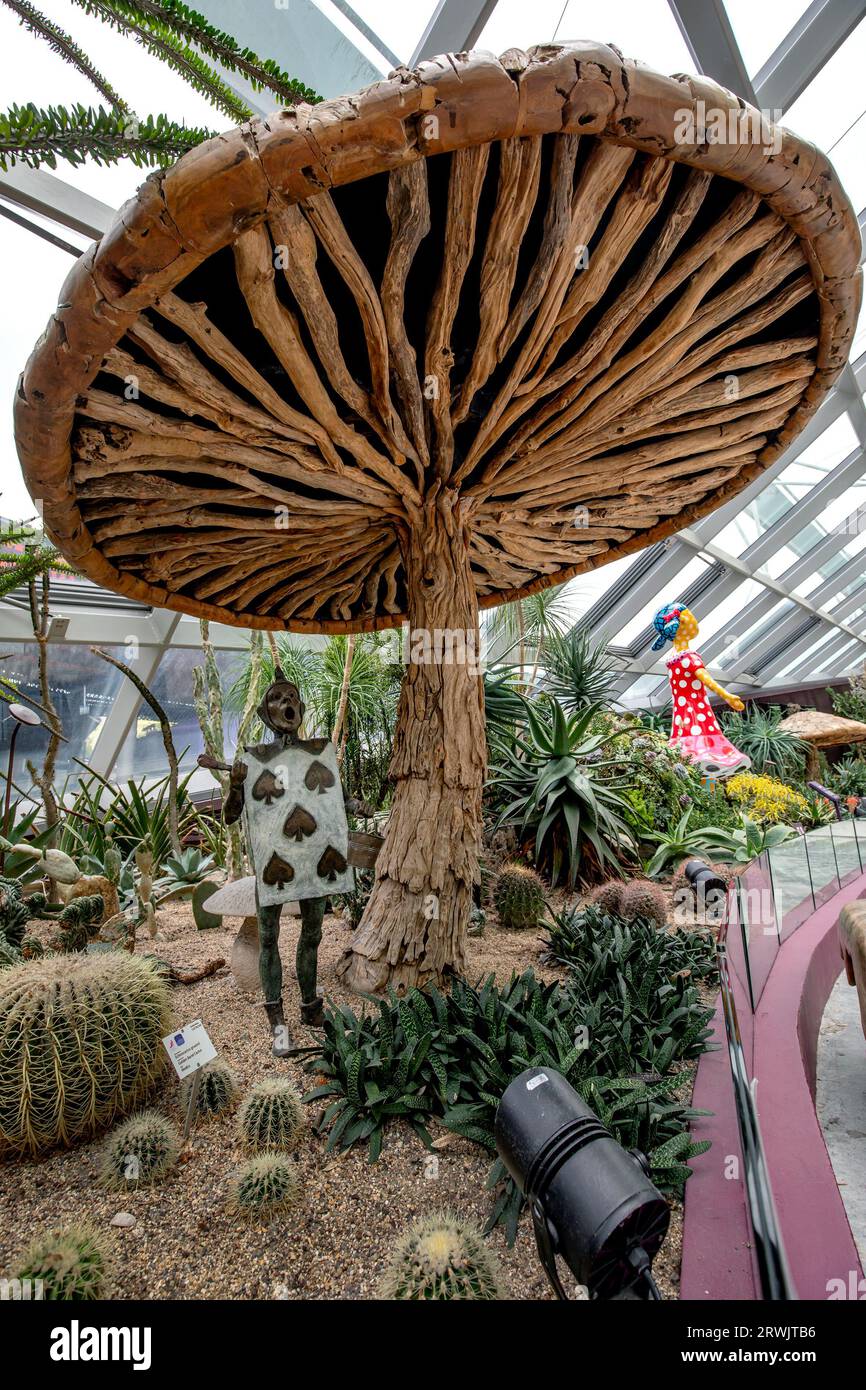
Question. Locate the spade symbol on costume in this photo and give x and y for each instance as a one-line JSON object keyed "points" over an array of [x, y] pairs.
{"points": [[266, 787], [318, 778], [331, 864], [277, 872], [315, 745], [298, 823]]}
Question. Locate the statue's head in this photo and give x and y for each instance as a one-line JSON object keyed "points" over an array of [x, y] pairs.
{"points": [[282, 709]]}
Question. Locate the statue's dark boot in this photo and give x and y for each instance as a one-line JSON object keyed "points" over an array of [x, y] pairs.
{"points": [[313, 1014], [283, 1042]]}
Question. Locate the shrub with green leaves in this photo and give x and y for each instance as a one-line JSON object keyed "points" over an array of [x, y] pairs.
{"points": [[72, 1263], [268, 1183], [140, 1152], [441, 1257], [518, 897], [685, 841], [757, 732], [452, 1056], [271, 1116]]}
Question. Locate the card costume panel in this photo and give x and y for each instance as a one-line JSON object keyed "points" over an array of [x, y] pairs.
{"points": [[296, 822]]}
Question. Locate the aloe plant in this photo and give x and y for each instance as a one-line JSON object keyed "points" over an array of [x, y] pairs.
{"points": [[753, 839]]}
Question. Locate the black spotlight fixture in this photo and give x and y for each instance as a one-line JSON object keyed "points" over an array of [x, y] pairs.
{"points": [[591, 1200], [711, 891]]}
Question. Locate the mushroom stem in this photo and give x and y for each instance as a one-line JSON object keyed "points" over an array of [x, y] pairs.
{"points": [[414, 927]]}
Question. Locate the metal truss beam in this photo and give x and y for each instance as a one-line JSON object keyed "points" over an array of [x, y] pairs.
{"points": [[455, 26], [816, 36], [705, 26]]}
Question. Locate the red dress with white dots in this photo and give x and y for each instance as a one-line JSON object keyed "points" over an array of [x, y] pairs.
{"points": [[695, 733]]}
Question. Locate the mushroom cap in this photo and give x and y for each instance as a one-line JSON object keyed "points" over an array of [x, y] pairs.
{"points": [[823, 730], [593, 301]]}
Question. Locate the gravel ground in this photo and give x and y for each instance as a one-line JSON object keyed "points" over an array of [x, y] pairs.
{"points": [[186, 1245]]}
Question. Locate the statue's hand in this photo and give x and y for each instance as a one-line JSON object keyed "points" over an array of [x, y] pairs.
{"points": [[736, 703], [238, 774]]}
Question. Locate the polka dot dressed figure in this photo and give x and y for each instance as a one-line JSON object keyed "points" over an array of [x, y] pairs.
{"points": [[695, 733]]}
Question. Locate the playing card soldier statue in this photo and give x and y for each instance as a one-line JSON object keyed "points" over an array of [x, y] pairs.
{"points": [[290, 796]]}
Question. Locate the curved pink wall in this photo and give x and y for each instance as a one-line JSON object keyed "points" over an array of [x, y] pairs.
{"points": [[782, 1043]]}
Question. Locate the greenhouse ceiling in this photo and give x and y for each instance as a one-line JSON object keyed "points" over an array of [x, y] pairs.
{"points": [[776, 576]]}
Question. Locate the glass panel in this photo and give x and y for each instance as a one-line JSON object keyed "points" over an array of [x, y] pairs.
{"points": [[738, 971], [822, 864], [758, 914], [830, 113], [647, 31], [730, 608], [859, 344], [739, 650], [792, 885], [142, 753], [804, 659], [847, 854], [82, 689]]}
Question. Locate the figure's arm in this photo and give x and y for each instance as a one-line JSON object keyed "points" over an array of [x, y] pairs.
{"points": [[234, 803], [733, 700]]}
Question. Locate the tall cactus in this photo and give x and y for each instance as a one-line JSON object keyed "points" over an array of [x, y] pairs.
{"points": [[208, 701]]}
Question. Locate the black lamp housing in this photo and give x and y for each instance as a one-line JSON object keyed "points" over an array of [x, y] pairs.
{"points": [[591, 1200]]}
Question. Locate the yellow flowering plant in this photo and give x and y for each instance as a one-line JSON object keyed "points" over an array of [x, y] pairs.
{"points": [[767, 800]]}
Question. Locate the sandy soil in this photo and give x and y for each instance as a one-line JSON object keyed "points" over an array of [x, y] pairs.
{"points": [[185, 1244]]}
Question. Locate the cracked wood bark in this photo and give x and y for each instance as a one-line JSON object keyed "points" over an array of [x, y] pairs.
{"points": [[413, 930]]}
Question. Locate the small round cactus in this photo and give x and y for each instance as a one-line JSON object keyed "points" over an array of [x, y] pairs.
{"points": [[268, 1183], [643, 899], [72, 1263], [518, 897], [271, 1116], [440, 1257], [140, 1151], [608, 897], [218, 1090]]}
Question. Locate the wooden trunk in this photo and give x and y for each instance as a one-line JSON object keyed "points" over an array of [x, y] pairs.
{"points": [[414, 927]]}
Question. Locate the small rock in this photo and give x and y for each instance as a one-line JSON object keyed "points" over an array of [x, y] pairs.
{"points": [[122, 1218]]}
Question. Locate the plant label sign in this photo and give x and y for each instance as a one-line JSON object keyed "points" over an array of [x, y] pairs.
{"points": [[189, 1048]]}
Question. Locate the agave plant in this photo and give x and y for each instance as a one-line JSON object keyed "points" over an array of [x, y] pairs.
{"points": [[773, 750], [849, 777], [504, 705], [552, 792], [686, 842], [185, 870], [753, 839]]}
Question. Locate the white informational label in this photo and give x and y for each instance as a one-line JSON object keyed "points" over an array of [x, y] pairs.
{"points": [[189, 1048], [536, 1081]]}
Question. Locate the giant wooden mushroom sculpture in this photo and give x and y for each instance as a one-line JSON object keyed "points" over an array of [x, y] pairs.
{"points": [[432, 347]]}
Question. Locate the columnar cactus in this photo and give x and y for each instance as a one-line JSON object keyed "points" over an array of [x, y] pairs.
{"points": [[519, 896], [144, 886], [218, 1089], [72, 1263], [271, 1116], [265, 1184], [140, 1152], [80, 1044], [441, 1257]]}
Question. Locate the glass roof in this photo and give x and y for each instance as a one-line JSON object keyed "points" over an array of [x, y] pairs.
{"points": [[783, 564]]}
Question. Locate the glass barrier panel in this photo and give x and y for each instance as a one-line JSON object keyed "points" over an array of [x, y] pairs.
{"points": [[738, 971], [758, 915], [821, 849], [792, 884], [847, 853]]}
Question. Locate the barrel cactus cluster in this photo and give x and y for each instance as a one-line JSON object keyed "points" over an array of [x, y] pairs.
{"points": [[441, 1257], [69, 1264], [519, 897], [266, 1184], [80, 1045], [140, 1152], [639, 898], [271, 1116]]}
